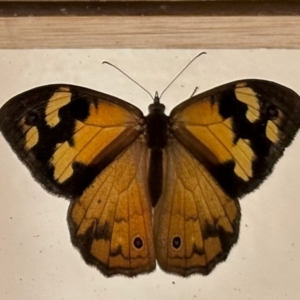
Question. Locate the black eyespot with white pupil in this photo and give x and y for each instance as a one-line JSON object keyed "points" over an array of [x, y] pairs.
{"points": [[138, 242], [272, 112], [176, 242], [32, 118]]}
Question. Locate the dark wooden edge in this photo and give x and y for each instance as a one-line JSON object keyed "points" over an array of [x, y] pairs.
{"points": [[149, 8]]}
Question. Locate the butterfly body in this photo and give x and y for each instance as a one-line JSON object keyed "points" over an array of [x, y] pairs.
{"points": [[157, 132], [156, 187]]}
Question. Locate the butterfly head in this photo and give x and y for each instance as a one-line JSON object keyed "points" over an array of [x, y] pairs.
{"points": [[156, 106]]}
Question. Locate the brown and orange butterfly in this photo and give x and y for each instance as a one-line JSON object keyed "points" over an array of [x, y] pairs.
{"points": [[156, 187]]}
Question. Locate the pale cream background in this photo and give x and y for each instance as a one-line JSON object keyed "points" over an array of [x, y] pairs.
{"points": [[37, 258]]}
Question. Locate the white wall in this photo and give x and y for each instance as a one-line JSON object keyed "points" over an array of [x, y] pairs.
{"points": [[37, 258]]}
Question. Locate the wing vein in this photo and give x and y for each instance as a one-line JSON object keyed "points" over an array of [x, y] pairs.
{"points": [[93, 198], [79, 152], [216, 194], [233, 158], [144, 221], [171, 208]]}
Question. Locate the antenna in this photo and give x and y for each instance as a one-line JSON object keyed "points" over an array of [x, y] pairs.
{"points": [[108, 63], [181, 72], [156, 95]]}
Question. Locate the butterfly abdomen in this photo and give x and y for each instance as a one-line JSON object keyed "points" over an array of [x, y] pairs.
{"points": [[157, 124], [155, 175]]}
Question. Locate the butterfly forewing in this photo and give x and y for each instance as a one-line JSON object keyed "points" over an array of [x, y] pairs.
{"points": [[67, 134], [238, 130]]}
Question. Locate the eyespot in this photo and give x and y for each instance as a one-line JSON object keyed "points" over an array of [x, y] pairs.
{"points": [[137, 242], [176, 242], [272, 112], [32, 118]]}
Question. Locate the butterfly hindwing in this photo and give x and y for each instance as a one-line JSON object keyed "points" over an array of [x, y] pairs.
{"points": [[67, 134], [111, 222], [195, 222], [238, 130]]}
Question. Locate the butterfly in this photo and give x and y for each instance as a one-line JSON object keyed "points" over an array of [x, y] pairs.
{"points": [[155, 188]]}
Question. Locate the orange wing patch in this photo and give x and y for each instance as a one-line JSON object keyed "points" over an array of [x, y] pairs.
{"points": [[31, 136], [104, 123], [217, 136], [195, 223], [88, 142], [111, 222], [108, 114], [59, 99], [219, 139]]}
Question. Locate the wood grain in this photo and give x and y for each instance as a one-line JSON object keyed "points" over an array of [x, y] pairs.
{"points": [[151, 32], [149, 24]]}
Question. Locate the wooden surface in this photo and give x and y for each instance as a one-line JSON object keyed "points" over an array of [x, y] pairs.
{"points": [[150, 24]]}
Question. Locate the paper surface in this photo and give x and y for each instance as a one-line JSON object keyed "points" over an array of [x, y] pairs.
{"points": [[37, 258]]}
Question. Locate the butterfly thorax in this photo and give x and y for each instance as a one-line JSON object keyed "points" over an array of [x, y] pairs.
{"points": [[157, 124]]}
